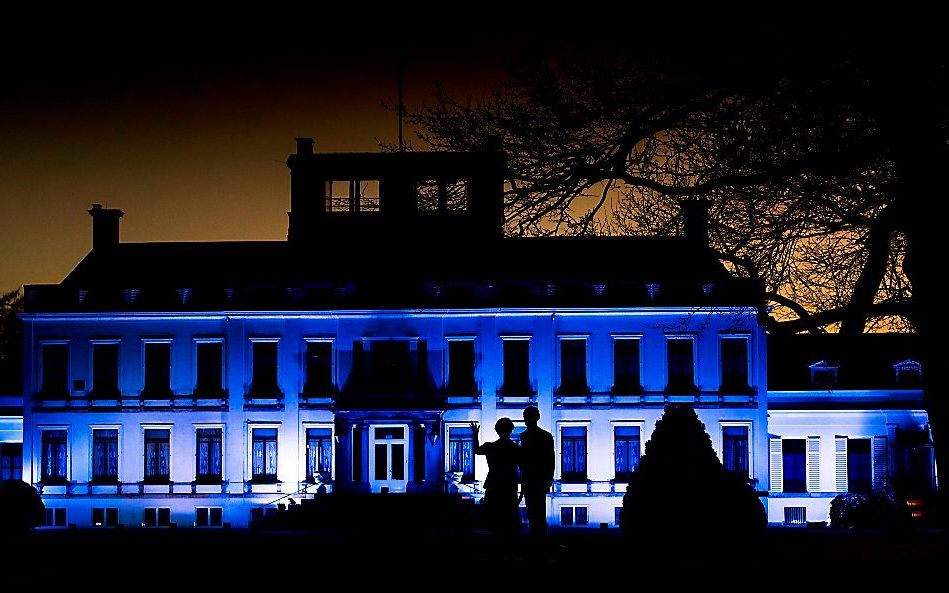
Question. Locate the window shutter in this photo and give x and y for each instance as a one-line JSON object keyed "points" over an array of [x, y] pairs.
{"points": [[840, 451], [813, 464], [879, 462], [777, 465]]}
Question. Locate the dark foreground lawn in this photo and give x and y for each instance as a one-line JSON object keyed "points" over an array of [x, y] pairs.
{"points": [[177, 560]]}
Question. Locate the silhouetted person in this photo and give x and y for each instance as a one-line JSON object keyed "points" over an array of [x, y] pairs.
{"points": [[537, 470], [500, 487]]}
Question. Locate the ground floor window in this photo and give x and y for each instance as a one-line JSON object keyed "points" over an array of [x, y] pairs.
{"points": [[55, 517], [264, 455], [208, 517], [795, 515], [461, 452], [573, 516], [157, 517], [106, 517], [11, 461]]}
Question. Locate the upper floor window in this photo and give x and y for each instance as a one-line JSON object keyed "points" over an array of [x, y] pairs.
{"points": [[823, 374], [54, 454], [264, 361], [209, 455], [909, 373], [157, 455], [573, 365], [573, 453], [626, 365], [264, 455], [681, 364], [105, 455], [461, 367], [442, 195], [55, 370], [352, 195], [157, 369], [105, 370], [735, 449], [319, 368], [517, 379], [11, 461], [209, 371], [734, 352]]}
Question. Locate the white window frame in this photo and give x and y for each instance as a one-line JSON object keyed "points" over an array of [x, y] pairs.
{"points": [[447, 432], [334, 354], [42, 343], [194, 357], [302, 465], [559, 356], [640, 424], [573, 511], [446, 367], [249, 456], [721, 359], [614, 337], [561, 424], [749, 424], [171, 360], [194, 466], [92, 429], [170, 427], [694, 338], [530, 357], [92, 357], [38, 457]]}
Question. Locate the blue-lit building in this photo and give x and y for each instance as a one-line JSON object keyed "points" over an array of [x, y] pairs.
{"points": [[192, 383]]}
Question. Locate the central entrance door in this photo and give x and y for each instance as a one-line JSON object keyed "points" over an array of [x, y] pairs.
{"points": [[388, 461]]}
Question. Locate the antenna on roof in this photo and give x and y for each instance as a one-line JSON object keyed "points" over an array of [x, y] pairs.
{"points": [[401, 103]]}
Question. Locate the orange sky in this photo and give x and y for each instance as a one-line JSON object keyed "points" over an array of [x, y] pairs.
{"points": [[190, 150]]}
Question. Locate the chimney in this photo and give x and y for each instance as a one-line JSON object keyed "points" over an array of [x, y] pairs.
{"points": [[105, 227], [305, 145], [695, 221]]}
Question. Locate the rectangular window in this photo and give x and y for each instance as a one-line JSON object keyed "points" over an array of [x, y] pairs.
{"points": [[461, 452], [352, 195], [734, 364], [859, 465], [209, 455], [11, 461], [795, 515], [105, 371], [105, 456], [157, 517], [617, 516], [157, 370], [795, 465], [626, 366], [264, 382], [319, 368], [573, 365], [626, 451], [735, 449], [55, 379], [54, 457], [210, 368], [442, 195], [55, 517], [516, 368], [105, 517], [681, 365], [264, 455], [319, 453], [461, 367], [157, 455], [573, 454], [573, 516], [208, 517]]}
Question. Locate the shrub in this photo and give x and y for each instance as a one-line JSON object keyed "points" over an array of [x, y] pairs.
{"points": [[21, 508], [872, 510]]}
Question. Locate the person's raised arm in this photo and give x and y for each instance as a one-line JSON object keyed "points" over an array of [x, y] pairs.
{"points": [[477, 442]]}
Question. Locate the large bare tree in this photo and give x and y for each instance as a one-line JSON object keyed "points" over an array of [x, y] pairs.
{"points": [[821, 153]]}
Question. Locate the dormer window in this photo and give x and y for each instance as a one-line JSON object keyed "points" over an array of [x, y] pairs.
{"points": [[824, 374], [352, 195], [909, 373]]}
